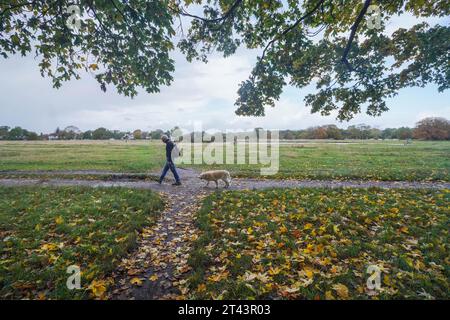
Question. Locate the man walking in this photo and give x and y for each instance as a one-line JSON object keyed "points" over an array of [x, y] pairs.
{"points": [[169, 162]]}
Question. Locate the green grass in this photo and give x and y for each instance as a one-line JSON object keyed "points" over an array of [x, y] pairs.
{"points": [[117, 156], [45, 230], [318, 243], [379, 160], [369, 160]]}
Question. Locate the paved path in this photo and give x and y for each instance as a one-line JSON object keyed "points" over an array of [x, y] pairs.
{"points": [[157, 269]]}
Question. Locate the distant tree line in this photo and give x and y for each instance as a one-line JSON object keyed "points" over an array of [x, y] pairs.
{"points": [[426, 129], [17, 133], [73, 133]]}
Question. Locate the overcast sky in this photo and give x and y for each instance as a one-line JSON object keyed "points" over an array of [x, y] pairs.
{"points": [[199, 93]]}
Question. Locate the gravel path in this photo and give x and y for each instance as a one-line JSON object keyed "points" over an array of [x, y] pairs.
{"points": [[237, 184], [157, 268], [192, 184]]}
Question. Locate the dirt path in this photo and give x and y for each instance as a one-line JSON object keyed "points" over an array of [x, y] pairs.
{"points": [[157, 268], [191, 183]]}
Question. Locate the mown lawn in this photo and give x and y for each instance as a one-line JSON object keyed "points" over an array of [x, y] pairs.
{"points": [[119, 156], [368, 160], [45, 230], [318, 244]]}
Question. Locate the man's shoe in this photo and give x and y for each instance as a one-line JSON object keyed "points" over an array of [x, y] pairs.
{"points": [[178, 183], [159, 182]]}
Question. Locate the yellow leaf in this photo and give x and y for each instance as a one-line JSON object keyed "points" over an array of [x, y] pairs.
{"points": [[49, 247], [98, 288], [341, 290], [93, 66], [153, 277], [309, 273], [404, 229], [308, 226], [136, 281], [336, 229], [387, 280], [283, 229], [59, 220], [309, 248], [274, 271], [329, 296], [41, 296]]}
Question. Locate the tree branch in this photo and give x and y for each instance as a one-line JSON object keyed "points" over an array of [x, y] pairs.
{"points": [[17, 6], [353, 33], [224, 17], [287, 30]]}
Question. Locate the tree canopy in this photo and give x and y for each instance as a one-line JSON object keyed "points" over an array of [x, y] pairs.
{"points": [[332, 44]]}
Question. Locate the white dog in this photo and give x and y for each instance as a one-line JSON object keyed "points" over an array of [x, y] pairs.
{"points": [[215, 176]]}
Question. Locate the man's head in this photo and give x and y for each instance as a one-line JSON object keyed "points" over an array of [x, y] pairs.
{"points": [[164, 138]]}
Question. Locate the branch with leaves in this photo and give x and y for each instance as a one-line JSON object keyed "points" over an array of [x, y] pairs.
{"points": [[127, 46]]}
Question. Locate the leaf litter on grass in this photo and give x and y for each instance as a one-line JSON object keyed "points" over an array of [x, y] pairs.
{"points": [[159, 267]]}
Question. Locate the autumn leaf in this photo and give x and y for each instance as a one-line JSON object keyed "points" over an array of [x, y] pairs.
{"points": [[98, 288], [49, 247], [136, 281], [120, 239], [201, 287], [341, 290], [404, 229], [394, 210], [329, 296], [309, 273]]}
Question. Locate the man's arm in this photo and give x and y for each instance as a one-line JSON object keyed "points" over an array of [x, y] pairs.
{"points": [[169, 148]]}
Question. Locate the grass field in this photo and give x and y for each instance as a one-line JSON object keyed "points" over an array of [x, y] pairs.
{"points": [[45, 230], [379, 160], [289, 244], [318, 243], [81, 155]]}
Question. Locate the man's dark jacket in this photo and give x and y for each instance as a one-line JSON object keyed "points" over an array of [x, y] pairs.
{"points": [[169, 147]]}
